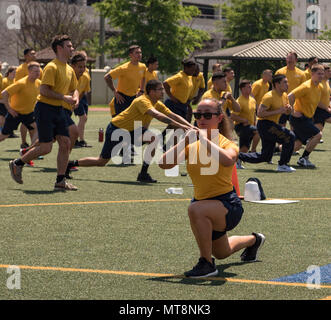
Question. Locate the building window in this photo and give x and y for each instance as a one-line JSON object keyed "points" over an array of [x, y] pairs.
{"points": [[206, 11]]}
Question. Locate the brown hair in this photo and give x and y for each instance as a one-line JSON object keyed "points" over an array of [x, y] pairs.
{"points": [[133, 47], [316, 67], [33, 64], [10, 70], [58, 41], [224, 126], [243, 83]]}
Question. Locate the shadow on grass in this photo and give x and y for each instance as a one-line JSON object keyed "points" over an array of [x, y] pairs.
{"points": [[265, 170], [13, 150], [218, 280], [6, 159], [136, 183], [32, 192]]}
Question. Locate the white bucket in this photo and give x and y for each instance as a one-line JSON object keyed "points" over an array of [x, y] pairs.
{"points": [[252, 191]]}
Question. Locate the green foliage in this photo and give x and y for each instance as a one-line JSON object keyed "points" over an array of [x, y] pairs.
{"points": [[161, 28], [247, 21], [253, 20], [325, 34]]}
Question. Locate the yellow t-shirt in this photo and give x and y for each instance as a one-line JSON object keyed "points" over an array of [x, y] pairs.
{"points": [[295, 77], [209, 84], [181, 86], [259, 89], [307, 97], [209, 185], [22, 71], [83, 87], [198, 83], [307, 73], [273, 101], [137, 112], [5, 83], [247, 109], [23, 95], [150, 76], [325, 98], [212, 94], [61, 78], [129, 77]]}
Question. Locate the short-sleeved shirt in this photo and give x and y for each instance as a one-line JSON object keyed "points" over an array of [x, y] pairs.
{"points": [[137, 112], [213, 184], [61, 78], [272, 100], [307, 97], [307, 73], [198, 83], [295, 77], [22, 71], [247, 109], [83, 87], [259, 89], [212, 94], [150, 76], [325, 98], [129, 77], [23, 95], [181, 86], [5, 83]]}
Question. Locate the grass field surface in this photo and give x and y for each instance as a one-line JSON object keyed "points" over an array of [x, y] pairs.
{"points": [[115, 238]]}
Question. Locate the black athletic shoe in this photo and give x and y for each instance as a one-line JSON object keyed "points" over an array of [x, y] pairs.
{"points": [[250, 253], [145, 178], [203, 269]]}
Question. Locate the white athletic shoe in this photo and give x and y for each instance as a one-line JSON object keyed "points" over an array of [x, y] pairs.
{"points": [[285, 168], [304, 162]]}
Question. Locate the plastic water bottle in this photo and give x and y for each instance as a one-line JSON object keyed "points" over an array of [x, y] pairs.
{"points": [[174, 190], [173, 172]]}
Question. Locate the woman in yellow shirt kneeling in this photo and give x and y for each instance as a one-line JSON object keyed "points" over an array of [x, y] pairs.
{"points": [[215, 209]]}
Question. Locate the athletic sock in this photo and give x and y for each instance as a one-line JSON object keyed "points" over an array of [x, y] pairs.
{"points": [[19, 162], [144, 168], [59, 178], [305, 154]]}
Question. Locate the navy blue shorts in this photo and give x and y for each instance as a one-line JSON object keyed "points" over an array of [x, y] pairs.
{"points": [[51, 121], [178, 108], [3, 110], [245, 134], [284, 118], [112, 140], [82, 107], [119, 107], [303, 128], [231, 202], [68, 114], [11, 123], [321, 115]]}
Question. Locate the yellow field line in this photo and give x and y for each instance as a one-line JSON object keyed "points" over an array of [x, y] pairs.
{"points": [[160, 275], [118, 201], [87, 202]]}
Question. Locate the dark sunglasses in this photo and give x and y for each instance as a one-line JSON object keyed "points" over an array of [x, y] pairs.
{"points": [[206, 115]]}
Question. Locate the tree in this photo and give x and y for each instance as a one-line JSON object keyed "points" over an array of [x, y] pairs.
{"points": [[325, 34], [160, 27], [247, 21], [41, 21]]}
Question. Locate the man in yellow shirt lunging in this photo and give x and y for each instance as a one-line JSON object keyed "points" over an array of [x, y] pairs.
{"points": [[122, 130], [58, 79], [305, 99], [273, 105]]}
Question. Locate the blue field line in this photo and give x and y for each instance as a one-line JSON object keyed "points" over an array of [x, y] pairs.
{"points": [[324, 273]]}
